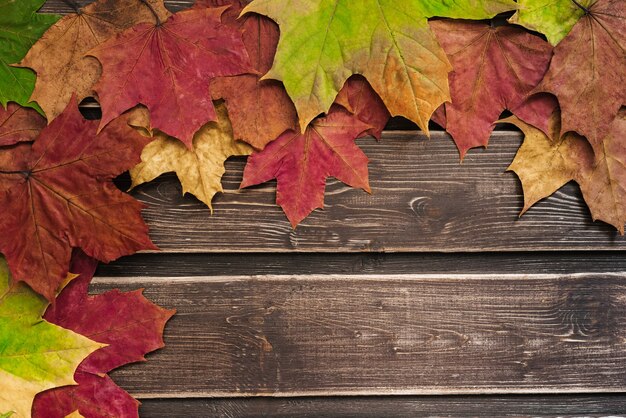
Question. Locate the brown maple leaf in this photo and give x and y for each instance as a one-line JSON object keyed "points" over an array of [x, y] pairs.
{"points": [[19, 124], [544, 165], [168, 68], [588, 71], [57, 194], [495, 68], [58, 57], [359, 98], [260, 110]]}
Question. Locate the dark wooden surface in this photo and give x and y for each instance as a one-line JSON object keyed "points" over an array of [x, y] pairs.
{"points": [[374, 334], [390, 406], [431, 289]]}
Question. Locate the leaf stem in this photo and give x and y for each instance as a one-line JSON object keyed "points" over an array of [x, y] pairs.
{"points": [[154, 13], [25, 173], [581, 6], [73, 5]]}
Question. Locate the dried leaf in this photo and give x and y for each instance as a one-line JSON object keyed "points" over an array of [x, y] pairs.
{"points": [[128, 323], [588, 71], [57, 194], [495, 68], [168, 68], [544, 165], [302, 162], [59, 58], [200, 169], [260, 110], [19, 124]]}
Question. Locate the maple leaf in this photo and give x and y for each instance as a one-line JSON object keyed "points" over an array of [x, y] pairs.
{"points": [[358, 97], [57, 194], [553, 18], [200, 169], [36, 355], [19, 124], [168, 67], [20, 27], [495, 68], [604, 183], [260, 110], [323, 42], [59, 58], [544, 165], [588, 71], [128, 323], [302, 162]]}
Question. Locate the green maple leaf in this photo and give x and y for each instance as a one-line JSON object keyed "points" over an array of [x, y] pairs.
{"points": [[553, 18], [20, 27], [35, 355], [324, 42]]}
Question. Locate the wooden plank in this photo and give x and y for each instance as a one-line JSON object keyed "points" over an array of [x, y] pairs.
{"points": [[384, 334], [389, 407], [423, 200], [181, 265]]}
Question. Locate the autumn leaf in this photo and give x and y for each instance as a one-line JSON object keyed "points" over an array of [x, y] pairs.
{"points": [[19, 124], [588, 71], [200, 169], [323, 42], [544, 165], [36, 355], [20, 27], [553, 18], [358, 97], [260, 110], [495, 68], [57, 194], [604, 183], [128, 323], [59, 58], [168, 68], [302, 162]]}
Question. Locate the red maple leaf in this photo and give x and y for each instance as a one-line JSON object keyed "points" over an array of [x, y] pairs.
{"points": [[360, 99], [168, 68], [495, 68], [57, 194], [131, 325], [260, 110], [19, 124], [302, 162]]}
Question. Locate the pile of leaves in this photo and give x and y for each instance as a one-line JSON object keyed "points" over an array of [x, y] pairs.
{"points": [[290, 83]]}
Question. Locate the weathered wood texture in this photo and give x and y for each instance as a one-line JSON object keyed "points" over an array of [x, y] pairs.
{"points": [[377, 334], [416, 322], [185, 265], [423, 200], [389, 406]]}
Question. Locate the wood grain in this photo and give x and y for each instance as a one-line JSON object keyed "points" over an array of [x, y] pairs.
{"points": [[384, 334], [184, 265], [390, 407], [423, 200]]}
